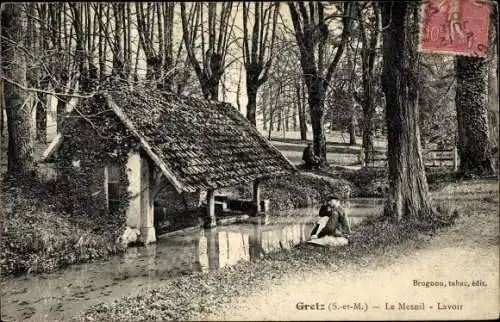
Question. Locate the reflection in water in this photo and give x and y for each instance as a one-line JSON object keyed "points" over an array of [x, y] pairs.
{"points": [[217, 249], [233, 247], [203, 252]]}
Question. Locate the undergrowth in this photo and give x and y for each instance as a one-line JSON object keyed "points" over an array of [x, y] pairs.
{"points": [[36, 236]]}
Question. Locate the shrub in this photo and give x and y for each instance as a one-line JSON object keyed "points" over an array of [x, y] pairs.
{"points": [[300, 190], [38, 237]]}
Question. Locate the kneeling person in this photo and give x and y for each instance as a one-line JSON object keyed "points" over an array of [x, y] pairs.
{"points": [[332, 222]]}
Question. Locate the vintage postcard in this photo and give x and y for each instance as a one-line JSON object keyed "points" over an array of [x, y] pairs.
{"points": [[249, 161]]}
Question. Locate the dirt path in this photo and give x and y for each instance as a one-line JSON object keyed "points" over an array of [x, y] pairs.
{"points": [[466, 252]]}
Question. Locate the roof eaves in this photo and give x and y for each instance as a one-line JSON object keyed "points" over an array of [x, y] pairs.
{"points": [[145, 145], [262, 138]]}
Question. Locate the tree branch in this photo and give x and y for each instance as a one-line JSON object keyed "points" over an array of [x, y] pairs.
{"points": [[346, 31], [36, 90]]}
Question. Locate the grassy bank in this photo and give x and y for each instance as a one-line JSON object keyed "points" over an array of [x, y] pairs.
{"points": [[36, 236], [197, 295]]}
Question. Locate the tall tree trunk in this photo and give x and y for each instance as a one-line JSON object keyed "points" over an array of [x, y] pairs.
{"points": [[317, 72], [264, 109], [61, 63], [21, 162], [43, 79], [41, 118], [252, 101], [368, 56], [2, 137], [352, 130], [271, 120], [280, 119], [294, 115], [493, 115], [2, 108], [471, 100], [62, 102], [238, 93], [408, 190], [117, 68], [211, 89], [257, 50], [210, 71], [103, 29], [368, 128], [353, 123], [287, 116], [316, 101], [301, 103], [493, 98]]}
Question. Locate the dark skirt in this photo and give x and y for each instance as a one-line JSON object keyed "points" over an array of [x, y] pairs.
{"points": [[328, 230]]}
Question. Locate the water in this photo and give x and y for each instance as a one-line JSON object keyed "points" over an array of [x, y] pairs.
{"points": [[60, 295]]}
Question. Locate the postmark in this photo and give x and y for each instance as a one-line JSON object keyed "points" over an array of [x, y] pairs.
{"points": [[457, 27]]}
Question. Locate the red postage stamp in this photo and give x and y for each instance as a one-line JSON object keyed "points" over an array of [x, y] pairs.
{"points": [[458, 27]]}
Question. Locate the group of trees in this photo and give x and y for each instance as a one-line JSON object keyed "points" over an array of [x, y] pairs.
{"points": [[302, 62]]}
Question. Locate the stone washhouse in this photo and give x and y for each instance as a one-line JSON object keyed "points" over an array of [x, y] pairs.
{"points": [[186, 148]]}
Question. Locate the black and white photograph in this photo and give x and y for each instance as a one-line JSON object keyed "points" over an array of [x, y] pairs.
{"points": [[249, 161]]}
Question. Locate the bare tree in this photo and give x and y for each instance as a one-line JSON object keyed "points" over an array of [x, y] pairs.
{"points": [[312, 34], [155, 24], [258, 49], [212, 36]]}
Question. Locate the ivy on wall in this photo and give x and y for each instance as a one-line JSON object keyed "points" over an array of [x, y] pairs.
{"points": [[94, 138]]}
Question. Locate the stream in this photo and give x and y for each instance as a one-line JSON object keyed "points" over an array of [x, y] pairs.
{"points": [[60, 295]]}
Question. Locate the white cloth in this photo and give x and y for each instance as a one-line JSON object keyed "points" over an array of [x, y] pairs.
{"points": [[321, 224], [329, 241]]}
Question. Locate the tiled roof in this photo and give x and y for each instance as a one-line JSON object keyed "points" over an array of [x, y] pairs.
{"points": [[197, 143]]}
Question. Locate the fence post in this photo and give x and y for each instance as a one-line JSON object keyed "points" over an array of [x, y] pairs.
{"points": [[455, 158]]}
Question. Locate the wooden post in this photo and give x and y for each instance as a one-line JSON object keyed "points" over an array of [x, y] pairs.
{"points": [[256, 196], [148, 234], [210, 221], [455, 158]]}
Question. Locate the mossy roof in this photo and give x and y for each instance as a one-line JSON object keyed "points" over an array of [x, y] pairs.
{"points": [[197, 143]]}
